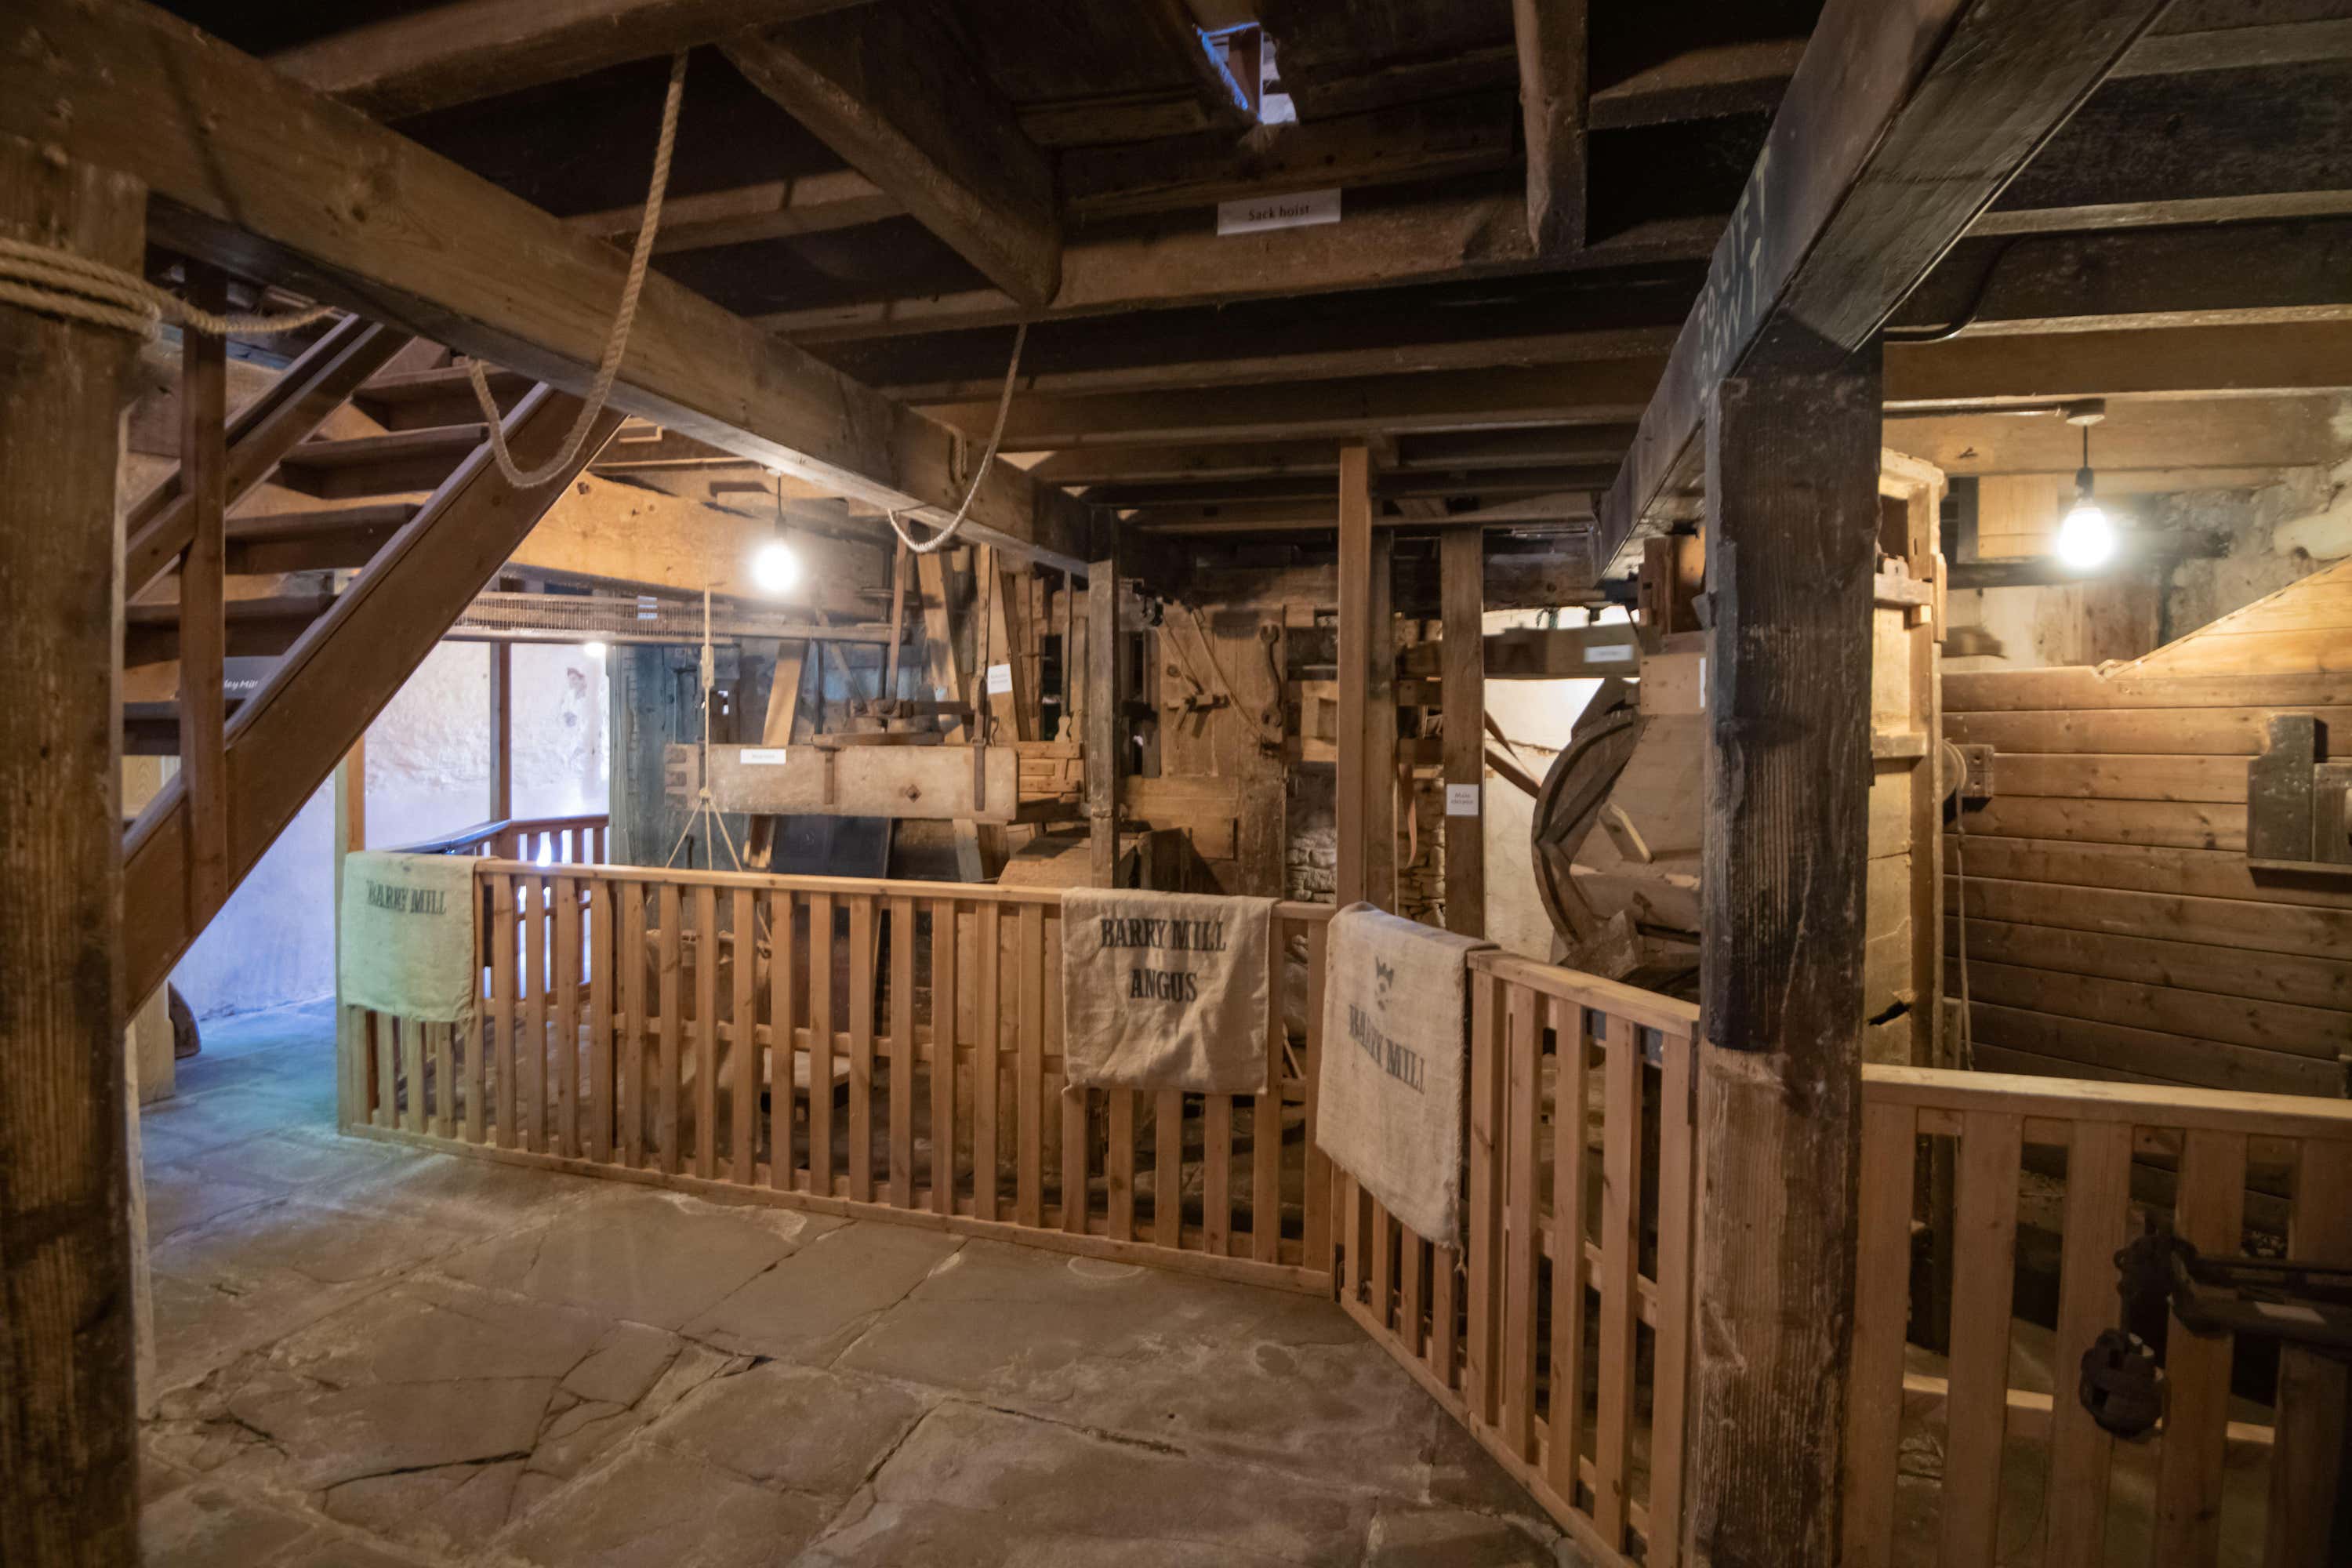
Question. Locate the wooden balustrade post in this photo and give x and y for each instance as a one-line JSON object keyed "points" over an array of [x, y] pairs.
{"points": [[203, 630], [69, 1456], [1106, 728], [501, 731], [350, 788], [1793, 479], [1462, 591]]}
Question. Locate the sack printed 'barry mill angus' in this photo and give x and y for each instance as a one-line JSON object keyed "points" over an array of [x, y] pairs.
{"points": [[1395, 1023], [1165, 990]]}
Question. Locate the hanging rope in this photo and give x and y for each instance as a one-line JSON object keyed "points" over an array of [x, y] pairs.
{"points": [[75, 288], [1003, 405], [617, 341]]}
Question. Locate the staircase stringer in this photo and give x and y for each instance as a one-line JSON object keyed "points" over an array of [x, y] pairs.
{"points": [[285, 740], [161, 522]]}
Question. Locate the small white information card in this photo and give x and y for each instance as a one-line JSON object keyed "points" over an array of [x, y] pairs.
{"points": [[761, 756], [1461, 800], [1301, 210], [1000, 679]]}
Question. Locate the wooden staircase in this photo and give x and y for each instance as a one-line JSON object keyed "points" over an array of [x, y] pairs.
{"points": [[412, 523]]}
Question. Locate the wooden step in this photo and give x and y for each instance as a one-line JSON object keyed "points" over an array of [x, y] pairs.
{"points": [[404, 462], [150, 633], [417, 399], [313, 541], [152, 728]]}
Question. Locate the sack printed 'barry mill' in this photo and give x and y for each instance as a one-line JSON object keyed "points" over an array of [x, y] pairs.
{"points": [[1395, 1026], [1165, 990]]}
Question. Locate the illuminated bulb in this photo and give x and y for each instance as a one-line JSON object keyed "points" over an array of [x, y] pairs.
{"points": [[2086, 539], [594, 649], [774, 567]]}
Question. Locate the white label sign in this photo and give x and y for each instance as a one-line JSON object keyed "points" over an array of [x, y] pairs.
{"points": [[1000, 679], [761, 756], [1610, 653], [1461, 800], [1301, 210]]}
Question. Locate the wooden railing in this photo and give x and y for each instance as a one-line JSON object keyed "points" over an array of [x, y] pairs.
{"points": [[2054, 1506], [580, 840], [1580, 1173], [669, 1027], [828, 1044]]}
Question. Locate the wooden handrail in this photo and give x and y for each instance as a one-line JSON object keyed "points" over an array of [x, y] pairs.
{"points": [[482, 833], [2140, 1104], [853, 887]]}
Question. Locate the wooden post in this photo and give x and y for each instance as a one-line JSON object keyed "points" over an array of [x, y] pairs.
{"points": [[350, 787], [1355, 618], [68, 1458], [1104, 730], [1462, 592], [783, 707], [1380, 784], [944, 669], [1365, 807], [501, 731], [1792, 481], [203, 628], [1552, 100]]}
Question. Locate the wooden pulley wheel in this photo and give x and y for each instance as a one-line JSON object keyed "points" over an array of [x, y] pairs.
{"points": [[1574, 790]]}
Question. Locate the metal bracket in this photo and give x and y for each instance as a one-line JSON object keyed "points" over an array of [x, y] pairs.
{"points": [[1975, 771]]}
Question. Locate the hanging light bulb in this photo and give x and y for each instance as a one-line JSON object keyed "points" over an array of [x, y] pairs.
{"points": [[2086, 535], [774, 567]]}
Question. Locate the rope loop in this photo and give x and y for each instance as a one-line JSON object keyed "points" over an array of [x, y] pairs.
{"points": [[75, 288], [1003, 407], [617, 341]]}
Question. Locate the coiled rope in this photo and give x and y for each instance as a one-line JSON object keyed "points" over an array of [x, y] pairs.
{"points": [[1003, 407], [616, 344], [75, 288]]}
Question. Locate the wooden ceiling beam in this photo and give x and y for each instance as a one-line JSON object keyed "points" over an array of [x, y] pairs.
{"points": [[2200, 361], [257, 174], [1552, 93], [1610, 392], [1394, 484], [1464, 454], [1580, 404], [1181, 260], [469, 49], [2186, 439], [770, 209], [1899, 128], [1446, 137], [907, 106], [1148, 375]]}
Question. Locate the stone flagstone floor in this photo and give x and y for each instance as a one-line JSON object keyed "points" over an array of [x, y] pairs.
{"points": [[370, 1356]]}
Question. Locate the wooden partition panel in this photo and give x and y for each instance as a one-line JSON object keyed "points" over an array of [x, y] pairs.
{"points": [[1556, 1328], [2018, 1460], [886, 1049]]}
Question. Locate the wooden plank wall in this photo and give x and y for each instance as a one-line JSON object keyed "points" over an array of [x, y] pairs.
{"points": [[2113, 928]]}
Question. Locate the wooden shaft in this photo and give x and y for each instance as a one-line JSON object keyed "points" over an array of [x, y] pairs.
{"points": [[1793, 479], [1104, 734], [203, 628], [1461, 565], [1355, 612], [501, 731], [68, 1458], [351, 832]]}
